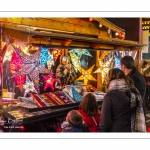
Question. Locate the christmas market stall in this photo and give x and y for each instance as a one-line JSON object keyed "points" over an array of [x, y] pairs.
{"points": [[47, 65]]}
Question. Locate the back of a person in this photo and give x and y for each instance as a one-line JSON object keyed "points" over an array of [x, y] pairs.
{"points": [[139, 81], [121, 105], [116, 115], [88, 108], [92, 122], [74, 123], [121, 117]]}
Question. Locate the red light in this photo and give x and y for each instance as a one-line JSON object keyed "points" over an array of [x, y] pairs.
{"points": [[90, 19], [59, 129], [148, 129], [22, 128]]}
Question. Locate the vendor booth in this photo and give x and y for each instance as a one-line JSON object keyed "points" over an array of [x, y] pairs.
{"points": [[47, 65]]}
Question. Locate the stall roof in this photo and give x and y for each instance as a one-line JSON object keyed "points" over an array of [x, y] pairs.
{"points": [[74, 29]]}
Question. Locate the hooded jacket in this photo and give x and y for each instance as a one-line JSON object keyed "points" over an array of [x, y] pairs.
{"points": [[116, 112], [67, 127], [92, 122]]}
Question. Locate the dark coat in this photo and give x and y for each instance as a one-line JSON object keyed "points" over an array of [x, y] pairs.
{"points": [[115, 112], [139, 81]]}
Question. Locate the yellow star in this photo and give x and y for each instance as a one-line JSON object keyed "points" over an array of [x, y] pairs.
{"points": [[75, 61], [86, 75], [104, 68]]}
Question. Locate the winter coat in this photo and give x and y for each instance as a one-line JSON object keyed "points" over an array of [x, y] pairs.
{"points": [[67, 127], [92, 124], [115, 113], [139, 81]]}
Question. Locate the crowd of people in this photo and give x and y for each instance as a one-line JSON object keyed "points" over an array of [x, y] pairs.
{"points": [[123, 106]]}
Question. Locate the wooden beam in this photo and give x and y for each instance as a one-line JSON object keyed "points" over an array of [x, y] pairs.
{"points": [[73, 25], [95, 45], [66, 42], [99, 75], [118, 47], [140, 41], [108, 24]]}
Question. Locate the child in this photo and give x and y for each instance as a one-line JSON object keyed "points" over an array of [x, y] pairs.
{"points": [[74, 123], [88, 108]]}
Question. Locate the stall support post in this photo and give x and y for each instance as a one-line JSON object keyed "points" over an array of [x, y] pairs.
{"points": [[140, 41], [1, 65], [99, 76]]}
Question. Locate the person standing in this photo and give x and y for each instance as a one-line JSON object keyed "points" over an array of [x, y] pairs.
{"points": [[121, 105], [146, 73], [127, 66], [65, 72]]}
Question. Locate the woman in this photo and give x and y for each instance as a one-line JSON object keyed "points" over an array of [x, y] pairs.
{"points": [[122, 108], [65, 72], [90, 113]]}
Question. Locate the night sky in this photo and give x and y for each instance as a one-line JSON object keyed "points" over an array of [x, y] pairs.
{"points": [[130, 25]]}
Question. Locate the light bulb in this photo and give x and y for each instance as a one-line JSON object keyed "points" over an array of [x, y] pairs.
{"points": [[100, 24], [109, 31], [116, 33], [90, 19]]}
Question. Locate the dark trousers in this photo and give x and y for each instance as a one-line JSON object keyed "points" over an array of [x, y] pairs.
{"points": [[147, 95]]}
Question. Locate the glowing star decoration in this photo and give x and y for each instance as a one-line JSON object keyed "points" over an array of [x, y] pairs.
{"points": [[104, 68], [75, 61], [26, 49], [80, 52], [19, 80], [8, 55], [117, 62], [45, 56], [29, 87], [56, 53], [86, 75], [31, 65], [3, 44], [15, 63], [50, 63], [49, 81]]}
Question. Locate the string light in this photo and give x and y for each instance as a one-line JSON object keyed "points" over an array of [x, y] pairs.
{"points": [[100, 24], [116, 33], [90, 19], [109, 31]]}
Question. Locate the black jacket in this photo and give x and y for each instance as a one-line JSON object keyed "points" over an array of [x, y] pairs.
{"points": [[115, 112], [139, 81]]}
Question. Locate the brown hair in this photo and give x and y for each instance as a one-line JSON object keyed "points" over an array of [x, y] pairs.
{"points": [[74, 118], [67, 57], [89, 105], [128, 61], [117, 73]]}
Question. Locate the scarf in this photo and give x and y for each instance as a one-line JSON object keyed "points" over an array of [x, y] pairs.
{"points": [[136, 105]]}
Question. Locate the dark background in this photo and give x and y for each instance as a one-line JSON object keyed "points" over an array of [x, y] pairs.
{"points": [[130, 25]]}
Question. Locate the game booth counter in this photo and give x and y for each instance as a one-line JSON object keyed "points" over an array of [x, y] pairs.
{"points": [[47, 65]]}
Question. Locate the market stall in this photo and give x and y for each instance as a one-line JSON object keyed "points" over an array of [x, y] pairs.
{"points": [[49, 64]]}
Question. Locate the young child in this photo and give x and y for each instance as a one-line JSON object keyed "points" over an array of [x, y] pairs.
{"points": [[74, 123]]}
